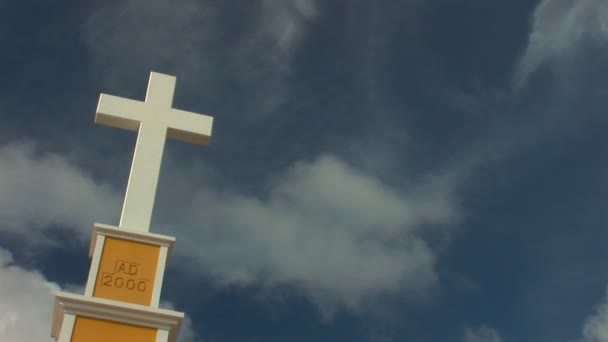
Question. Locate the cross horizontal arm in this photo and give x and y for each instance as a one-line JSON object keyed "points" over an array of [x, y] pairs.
{"points": [[190, 127], [119, 112]]}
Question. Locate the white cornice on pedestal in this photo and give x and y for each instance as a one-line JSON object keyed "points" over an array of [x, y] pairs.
{"points": [[111, 310], [130, 234]]}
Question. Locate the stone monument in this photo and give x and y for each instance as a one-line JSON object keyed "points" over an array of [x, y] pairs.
{"points": [[121, 298]]}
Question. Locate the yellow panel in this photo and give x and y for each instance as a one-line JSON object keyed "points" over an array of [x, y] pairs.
{"points": [[88, 329], [127, 271]]}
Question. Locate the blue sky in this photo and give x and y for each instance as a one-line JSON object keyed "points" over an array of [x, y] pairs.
{"points": [[421, 171]]}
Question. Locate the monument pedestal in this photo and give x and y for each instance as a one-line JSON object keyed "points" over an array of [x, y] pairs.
{"points": [[78, 318], [122, 294], [121, 298]]}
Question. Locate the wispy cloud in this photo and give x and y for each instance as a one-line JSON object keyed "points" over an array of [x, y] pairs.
{"points": [[560, 30], [239, 54], [481, 334], [286, 22], [173, 35]]}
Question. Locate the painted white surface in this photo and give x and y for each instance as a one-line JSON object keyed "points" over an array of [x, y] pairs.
{"points": [[162, 335], [67, 328], [160, 272], [155, 121], [94, 269], [100, 229]]}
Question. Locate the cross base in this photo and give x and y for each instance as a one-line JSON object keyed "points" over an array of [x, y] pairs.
{"points": [[78, 318]]}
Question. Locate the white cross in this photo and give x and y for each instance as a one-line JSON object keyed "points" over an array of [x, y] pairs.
{"points": [[155, 121]]}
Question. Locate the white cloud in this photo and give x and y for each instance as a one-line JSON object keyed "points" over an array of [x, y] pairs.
{"points": [[41, 190], [26, 303], [339, 236], [481, 334], [560, 29], [595, 328], [27, 300]]}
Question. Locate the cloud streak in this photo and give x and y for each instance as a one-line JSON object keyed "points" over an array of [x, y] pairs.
{"points": [[239, 55], [481, 334], [339, 236], [560, 30], [286, 21]]}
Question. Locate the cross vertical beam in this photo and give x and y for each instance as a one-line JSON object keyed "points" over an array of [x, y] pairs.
{"points": [[143, 178]]}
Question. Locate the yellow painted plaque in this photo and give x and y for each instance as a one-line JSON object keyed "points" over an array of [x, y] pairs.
{"points": [[88, 329], [127, 271]]}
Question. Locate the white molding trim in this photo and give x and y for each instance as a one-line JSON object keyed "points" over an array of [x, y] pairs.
{"points": [[67, 304], [132, 235], [94, 269], [162, 335], [67, 328], [160, 272]]}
